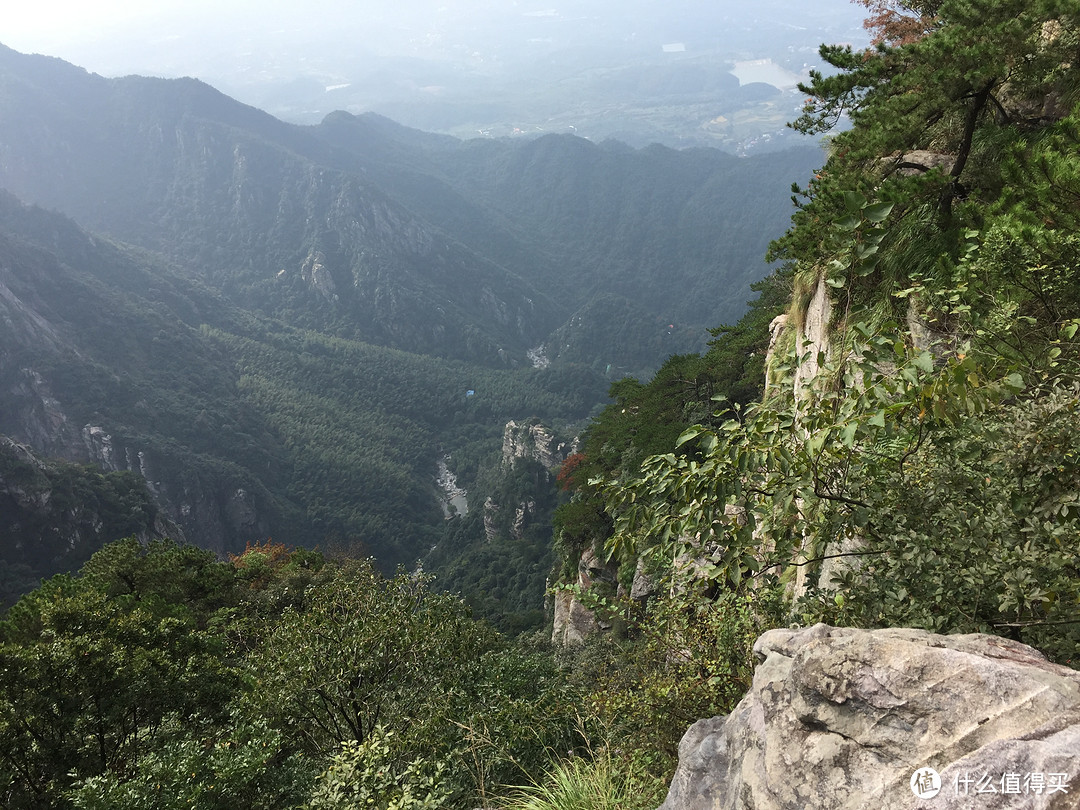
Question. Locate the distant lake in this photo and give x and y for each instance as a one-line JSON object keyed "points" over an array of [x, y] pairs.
{"points": [[766, 71]]}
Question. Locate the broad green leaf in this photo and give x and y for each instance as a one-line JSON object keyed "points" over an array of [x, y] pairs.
{"points": [[687, 435], [854, 201], [878, 212], [924, 361], [847, 434]]}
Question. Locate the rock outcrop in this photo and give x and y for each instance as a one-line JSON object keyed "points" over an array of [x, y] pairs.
{"points": [[531, 440], [318, 276], [574, 622], [813, 340], [220, 516], [531, 456], [54, 515], [845, 718]]}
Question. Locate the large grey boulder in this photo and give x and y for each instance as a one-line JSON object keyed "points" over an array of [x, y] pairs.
{"points": [[844, 718]]}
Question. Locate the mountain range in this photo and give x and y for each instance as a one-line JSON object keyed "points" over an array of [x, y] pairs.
{"points": [[285, 328]]}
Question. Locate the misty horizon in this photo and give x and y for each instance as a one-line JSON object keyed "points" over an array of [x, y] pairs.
{"points": [[685, 75]]}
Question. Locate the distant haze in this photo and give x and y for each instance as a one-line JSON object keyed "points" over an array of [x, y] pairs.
{"points": [[639, 70]]}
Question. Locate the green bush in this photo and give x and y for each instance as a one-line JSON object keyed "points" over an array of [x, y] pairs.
{"points": [[369, 775], [603, 783]]}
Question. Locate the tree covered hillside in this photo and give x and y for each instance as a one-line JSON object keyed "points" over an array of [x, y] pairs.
{"points": [[278, 326], [241, 426], [370, 231], [913, 460]]}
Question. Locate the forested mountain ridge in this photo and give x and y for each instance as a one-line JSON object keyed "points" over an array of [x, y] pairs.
{"points": [[241, 426], [243, 200], [608, 219], [912, 458], [890, 438], [289, 349], [375, 232]]}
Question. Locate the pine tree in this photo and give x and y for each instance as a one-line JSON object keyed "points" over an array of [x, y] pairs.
{"points": [[935, 108]]}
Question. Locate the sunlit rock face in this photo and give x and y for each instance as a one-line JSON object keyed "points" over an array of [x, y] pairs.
{"points": [[533, 441], [845, 718], [525, 445]]}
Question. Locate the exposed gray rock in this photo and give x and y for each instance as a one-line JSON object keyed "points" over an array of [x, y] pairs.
{"points": [[777, 329], [573, 621], [924, 336], [32, 414], [813, 339], [643, 585], [843, 718], [193, 509], [525, 445], [533, 441], [524, 512], [318, 276], [207, 514], [491, 512], [916, 162], [53, 515], [241, 515], [921, 161]]}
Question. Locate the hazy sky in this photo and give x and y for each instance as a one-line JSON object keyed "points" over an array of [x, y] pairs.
{"points": [[100, 34], [299, 59]]}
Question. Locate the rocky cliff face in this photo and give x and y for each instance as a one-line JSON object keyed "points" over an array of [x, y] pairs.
{"points": [[532, 452], [845, 718], [573, 621], [54, 515], [218, 515], [813, 338], [811, 331], [213, 515], [533, 441]]}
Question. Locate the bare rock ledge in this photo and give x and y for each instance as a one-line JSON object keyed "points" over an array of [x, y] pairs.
{"points": [[843, 718]]}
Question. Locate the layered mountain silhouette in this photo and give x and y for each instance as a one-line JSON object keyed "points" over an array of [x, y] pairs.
{"points": [[277, 325]]}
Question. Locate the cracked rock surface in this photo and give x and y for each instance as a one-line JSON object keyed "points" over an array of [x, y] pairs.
{"points": [[843, 718]]}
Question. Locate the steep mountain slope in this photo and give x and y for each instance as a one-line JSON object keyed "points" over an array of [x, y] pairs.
{"points": [[54, 515], [377, 232], [649, 236], [103, 363], [314, 318], [914, 457], [251, 205], [241, 426]]}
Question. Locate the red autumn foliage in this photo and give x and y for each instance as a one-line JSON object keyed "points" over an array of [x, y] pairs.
{"points": [[895, 23], [259, 562], [565, 479]]}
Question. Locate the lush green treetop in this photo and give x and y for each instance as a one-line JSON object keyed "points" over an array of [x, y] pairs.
{"points": [[954, 95]]}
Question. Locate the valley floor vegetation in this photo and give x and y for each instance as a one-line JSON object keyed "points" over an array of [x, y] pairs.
{"points": [[161, 677]]}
